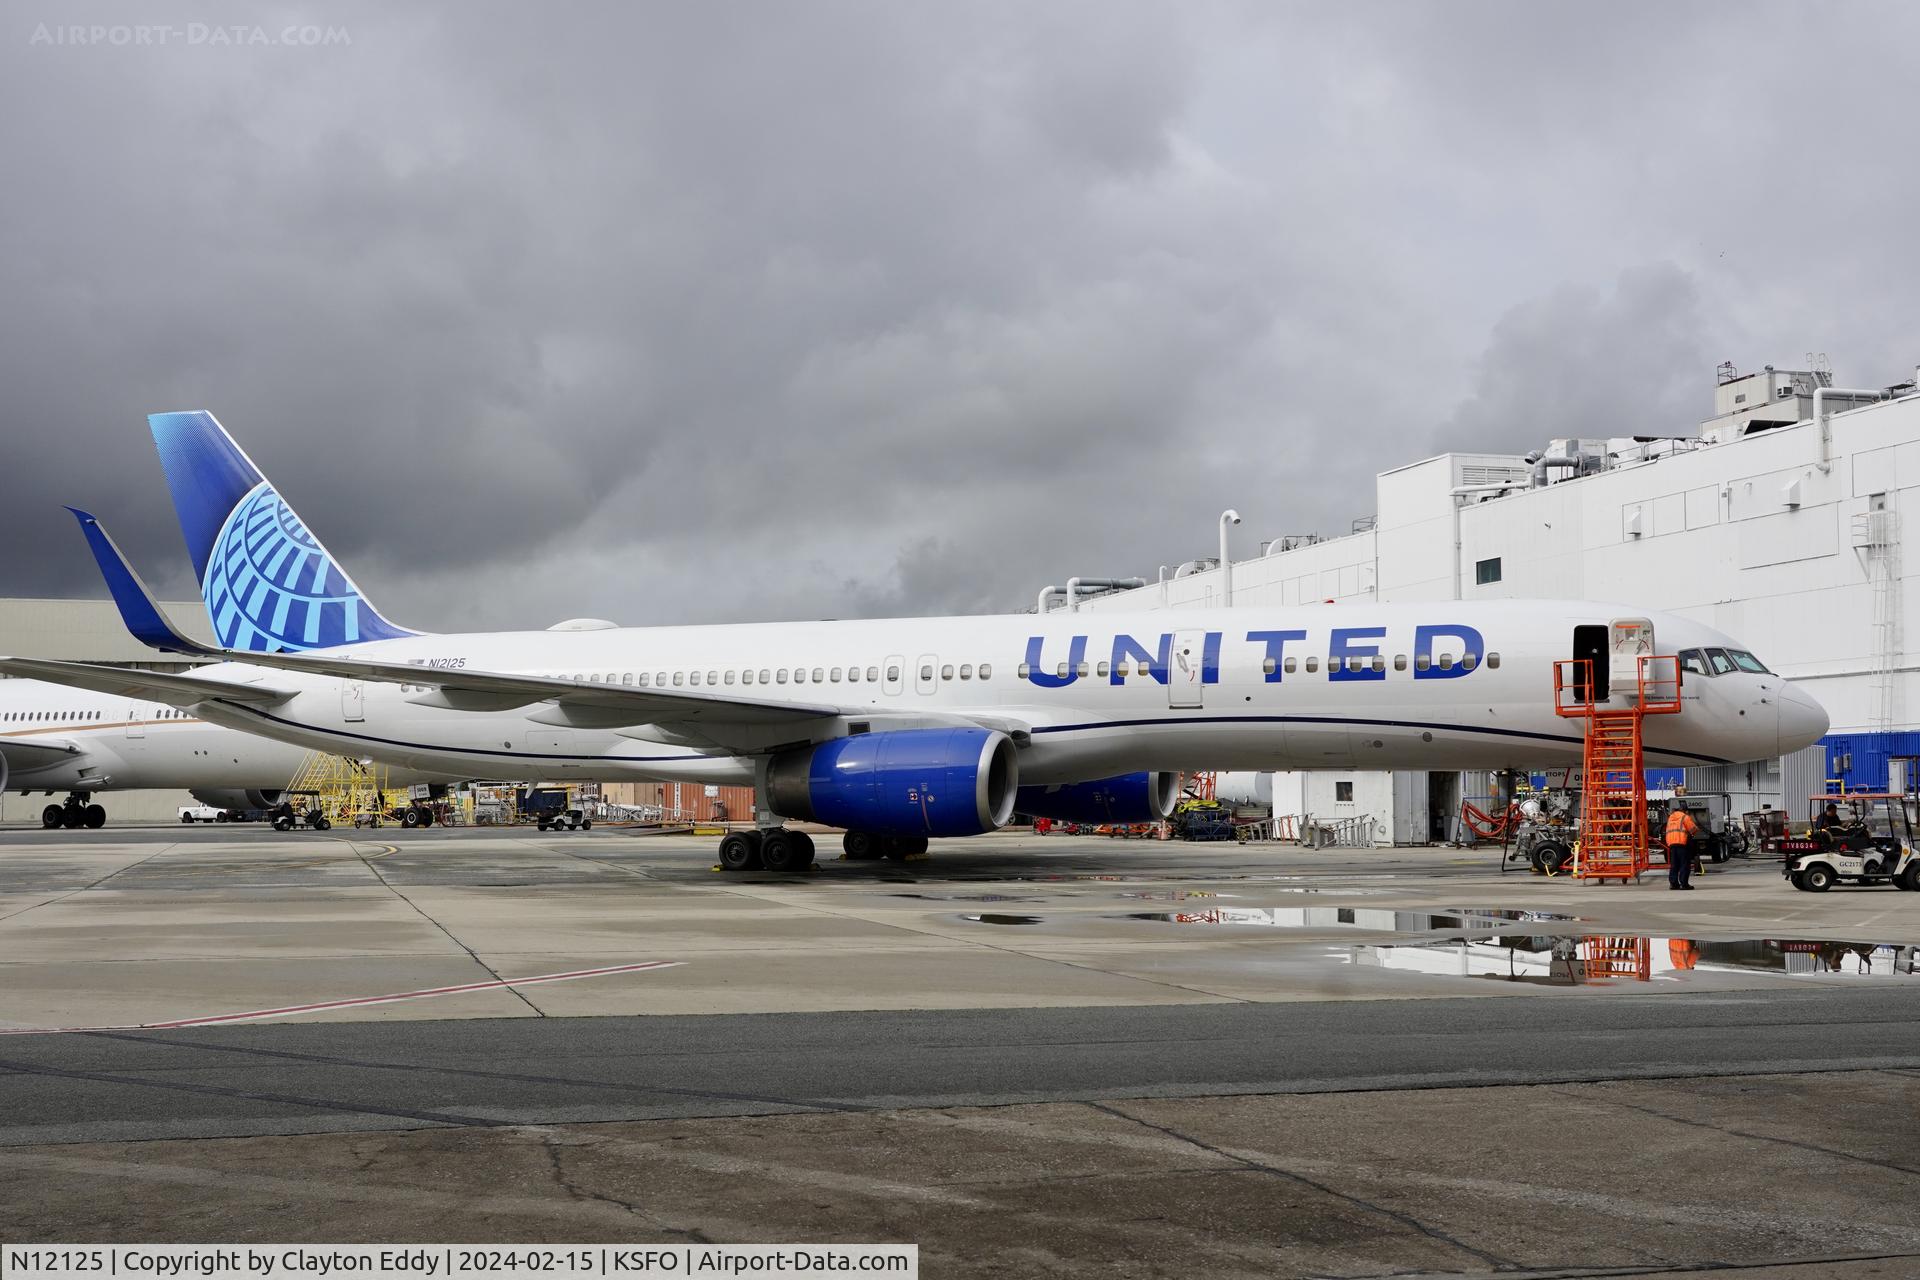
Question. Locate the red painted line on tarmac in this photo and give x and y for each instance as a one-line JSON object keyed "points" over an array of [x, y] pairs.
{"points": [[355, 1002]]}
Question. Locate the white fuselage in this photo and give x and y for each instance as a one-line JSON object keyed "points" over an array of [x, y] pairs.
{"points": [[1222, 708], [128, 745]]}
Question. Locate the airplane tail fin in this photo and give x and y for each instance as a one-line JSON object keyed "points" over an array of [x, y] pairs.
{"points": [[268, 583]]}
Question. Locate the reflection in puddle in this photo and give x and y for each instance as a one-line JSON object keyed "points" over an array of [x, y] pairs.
{"points": [[963, 897], [1378, 919], [989, 919], [1575, 960]]}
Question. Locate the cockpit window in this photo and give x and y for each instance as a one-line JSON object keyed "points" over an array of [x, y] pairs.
{"points": [[1722, 664], [1692, 663], [1747, 662]]}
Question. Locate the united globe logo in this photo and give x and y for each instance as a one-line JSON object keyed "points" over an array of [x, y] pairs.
{"points": [[271, 586]]}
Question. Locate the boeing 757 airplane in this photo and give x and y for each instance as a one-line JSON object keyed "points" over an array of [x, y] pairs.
{"points": [[902, 729]]}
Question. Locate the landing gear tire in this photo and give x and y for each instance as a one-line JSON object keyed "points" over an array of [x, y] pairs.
{"points": [[900, 848], [1817, 879], [860, 846], [789, 852], [741, 850], [95, 817], [54, 815], [1550, 858], [410, 819], [73, 818]]}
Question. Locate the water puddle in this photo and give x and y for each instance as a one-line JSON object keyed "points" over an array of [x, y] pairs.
{"points": [[1576, 960], [994, 919], [1377, 919], [963, 897]]}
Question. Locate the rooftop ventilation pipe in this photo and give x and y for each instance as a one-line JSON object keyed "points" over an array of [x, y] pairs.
{"points": [[1227, 518], [1823, 423], [1543, 461], [1077, 587]]}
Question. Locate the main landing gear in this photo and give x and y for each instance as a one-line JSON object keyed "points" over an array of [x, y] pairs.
{"points": [[864, 846], [775, 849], [74, 814]]}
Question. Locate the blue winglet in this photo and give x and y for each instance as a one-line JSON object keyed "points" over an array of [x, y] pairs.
{"points": [[137, 608]]}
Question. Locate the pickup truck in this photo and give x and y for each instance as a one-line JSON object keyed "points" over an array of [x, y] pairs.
{"points": [[201, 813]]}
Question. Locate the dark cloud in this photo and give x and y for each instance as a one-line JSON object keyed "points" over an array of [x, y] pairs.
{"points": [[673, 311]]}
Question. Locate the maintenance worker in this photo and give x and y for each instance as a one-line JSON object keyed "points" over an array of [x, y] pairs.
{"points": [[1830, 820], [1680, 830]]}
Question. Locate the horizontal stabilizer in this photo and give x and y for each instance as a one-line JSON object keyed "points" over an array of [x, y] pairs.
{"points": [[173, 690], [138, 609]]}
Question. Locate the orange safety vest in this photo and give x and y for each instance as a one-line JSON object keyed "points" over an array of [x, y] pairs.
{"points": [[1680, 825]]}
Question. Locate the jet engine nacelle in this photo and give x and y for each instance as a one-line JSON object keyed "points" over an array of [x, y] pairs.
{"points": [[908, 782], [1131, 797], [235, 797]]}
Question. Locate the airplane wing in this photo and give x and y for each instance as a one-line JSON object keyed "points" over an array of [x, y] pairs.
{"points": [[465, 689], [174, 690], [33, 753]]}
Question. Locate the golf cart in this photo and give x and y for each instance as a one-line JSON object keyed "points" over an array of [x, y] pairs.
{"points": [[1871, 844], [299, 808]]}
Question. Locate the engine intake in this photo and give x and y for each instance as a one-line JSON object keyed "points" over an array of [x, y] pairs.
{"points": [[910, 782], [1130, 797]]}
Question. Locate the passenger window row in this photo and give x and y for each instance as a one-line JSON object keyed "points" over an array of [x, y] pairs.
{"points": [[770, 675], [81, 717]]}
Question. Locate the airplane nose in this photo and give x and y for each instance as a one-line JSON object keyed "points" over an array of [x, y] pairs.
{"points": [[1803, 721]]}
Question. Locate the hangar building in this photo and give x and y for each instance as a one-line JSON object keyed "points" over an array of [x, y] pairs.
{"points": [[91, 631], [1775, 527]]}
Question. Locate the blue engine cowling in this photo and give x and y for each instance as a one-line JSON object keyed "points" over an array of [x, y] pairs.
{"points": [[1131, 797], [908, 782]]}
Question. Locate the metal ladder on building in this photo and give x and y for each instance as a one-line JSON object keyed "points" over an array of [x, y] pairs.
{"points": [[1613, 795]]}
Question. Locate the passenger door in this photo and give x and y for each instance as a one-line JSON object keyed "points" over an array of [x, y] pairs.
{"points": [[1591, 644], [136, 721], [353, 701], [926, 674], [893, 676], [1186, 670]]}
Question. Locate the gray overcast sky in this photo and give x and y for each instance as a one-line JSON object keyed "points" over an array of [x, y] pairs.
{"points": [[685, 312]]}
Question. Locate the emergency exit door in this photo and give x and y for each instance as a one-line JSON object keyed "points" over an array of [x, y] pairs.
{"points": [[353, 701], [1186, 670]]}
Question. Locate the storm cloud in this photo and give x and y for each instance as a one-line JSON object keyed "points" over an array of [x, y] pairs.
{"points": [[679, 312]]}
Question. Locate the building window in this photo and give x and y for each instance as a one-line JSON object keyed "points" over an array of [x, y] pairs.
{"points": [[1485, 571], [1343, 791]]}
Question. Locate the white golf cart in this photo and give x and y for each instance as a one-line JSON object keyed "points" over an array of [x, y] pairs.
{"points": [[1871, 844]]}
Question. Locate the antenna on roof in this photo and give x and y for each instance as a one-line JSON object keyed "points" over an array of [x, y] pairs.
{"points": [[1724, 372]]}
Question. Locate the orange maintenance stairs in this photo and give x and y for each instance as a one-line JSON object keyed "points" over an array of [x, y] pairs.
{"points": [[1613, 797]]}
